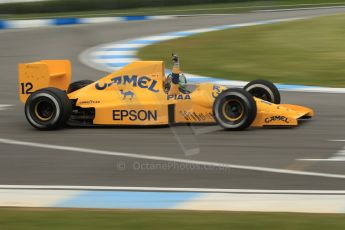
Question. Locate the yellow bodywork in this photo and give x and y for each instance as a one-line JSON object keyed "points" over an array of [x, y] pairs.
{"points": [[134, 95], [45, 73]]}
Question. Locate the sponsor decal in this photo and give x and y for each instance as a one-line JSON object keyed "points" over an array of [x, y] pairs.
{"points": [[134, 115], [89, 102], [135, 81], [179, 97], [193, 116], [276, 118], [127, 94]]}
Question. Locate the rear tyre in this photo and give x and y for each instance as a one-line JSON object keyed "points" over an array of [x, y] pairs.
{"points": [[48, 109], [234, 109], [264, 90], [78, 85]]}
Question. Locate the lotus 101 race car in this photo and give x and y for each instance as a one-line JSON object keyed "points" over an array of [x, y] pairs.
{"points": [[140, 94]]}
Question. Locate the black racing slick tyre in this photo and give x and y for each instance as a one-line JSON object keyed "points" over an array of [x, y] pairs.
{"points": [[264, 90], [234, 109], [78, 85], [48, 109]]}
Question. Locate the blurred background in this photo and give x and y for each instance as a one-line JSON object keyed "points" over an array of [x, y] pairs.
{"points": [[13, 7], [307, 56]]}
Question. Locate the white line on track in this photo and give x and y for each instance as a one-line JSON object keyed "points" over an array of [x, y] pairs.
{"points": [[332, 159], [302, 8], [162, 189], [338, 156], [170, 159], [3, 107]]}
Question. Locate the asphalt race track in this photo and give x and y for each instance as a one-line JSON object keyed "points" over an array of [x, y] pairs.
{"points": [[272, 155]]}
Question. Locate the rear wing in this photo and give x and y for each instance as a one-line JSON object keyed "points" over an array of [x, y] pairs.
{"points": [[42, 74]]}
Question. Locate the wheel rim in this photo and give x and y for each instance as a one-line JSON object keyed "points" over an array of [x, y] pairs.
{"points": [[44, 110], [233, 110]]}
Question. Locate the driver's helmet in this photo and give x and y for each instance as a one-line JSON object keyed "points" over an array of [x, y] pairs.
{"points": [[182, 82]]}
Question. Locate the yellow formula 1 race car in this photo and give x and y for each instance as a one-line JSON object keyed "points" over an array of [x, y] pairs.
{"points": [[139, 95]]}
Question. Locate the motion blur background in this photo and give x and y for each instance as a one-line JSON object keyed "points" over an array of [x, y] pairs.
{"points": [[63, 6], [48, 6], [310, 52]]}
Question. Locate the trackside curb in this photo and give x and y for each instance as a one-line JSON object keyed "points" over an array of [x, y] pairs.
{"points": [[137, 198], [35, 23]]}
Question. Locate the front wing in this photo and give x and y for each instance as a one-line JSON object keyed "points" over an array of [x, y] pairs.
{"points": [[269, 114]]}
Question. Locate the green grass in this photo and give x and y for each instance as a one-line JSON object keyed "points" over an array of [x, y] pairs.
{"points": [[27, 219], [310, 52], [218, 8]]}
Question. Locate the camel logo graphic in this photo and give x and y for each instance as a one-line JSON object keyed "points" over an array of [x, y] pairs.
{"points": [[125, 94]]}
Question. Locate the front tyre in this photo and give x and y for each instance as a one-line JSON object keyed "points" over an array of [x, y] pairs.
{"points": [[48, 109], [234, 109], [264, 90]]}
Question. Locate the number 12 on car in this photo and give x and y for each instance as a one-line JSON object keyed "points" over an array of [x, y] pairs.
{"points": [[26, 87]]}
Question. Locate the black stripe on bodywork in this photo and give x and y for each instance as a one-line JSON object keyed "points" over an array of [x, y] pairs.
{"points": [[171, 113]]}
